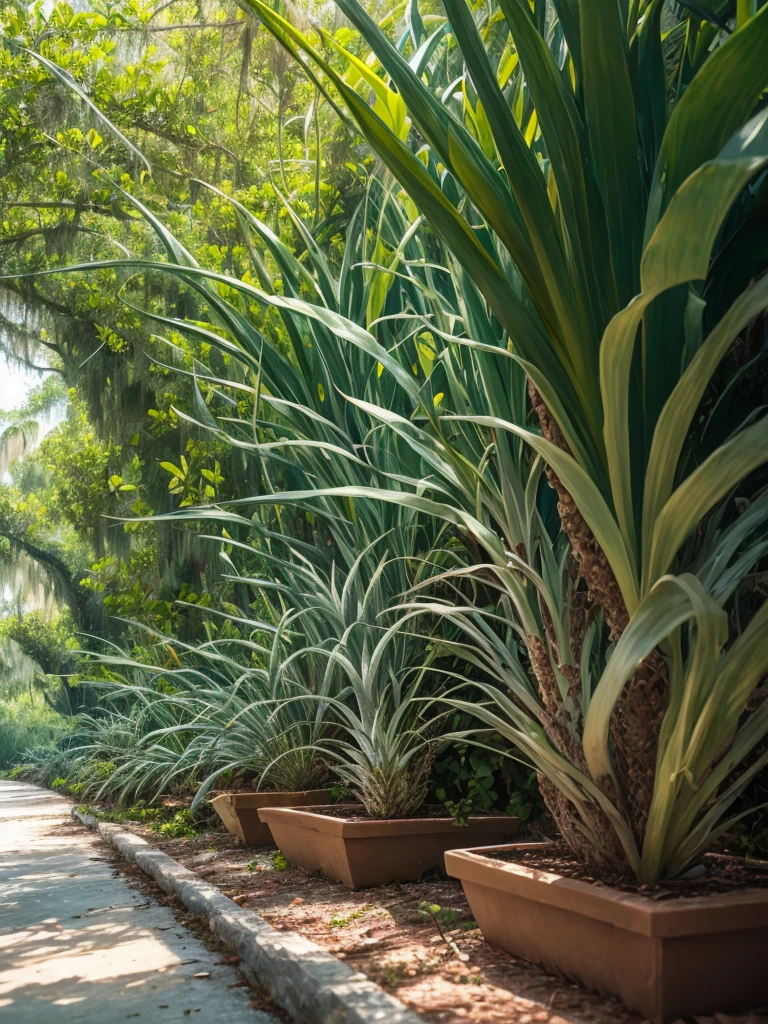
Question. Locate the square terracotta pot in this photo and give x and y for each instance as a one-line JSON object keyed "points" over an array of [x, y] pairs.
{"points": [[366, 853], [240, 811], [663, 959]]}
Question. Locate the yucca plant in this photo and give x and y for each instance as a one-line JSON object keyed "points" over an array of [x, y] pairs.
{"points": [[367, 435], [595, 290], [346, 692], [604, 238], [311, 427], [374, 683], [338, 692], [212, 709], [211, 715], [110, 757]]}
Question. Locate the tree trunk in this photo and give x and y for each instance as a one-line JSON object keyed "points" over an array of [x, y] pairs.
{"points": [[637, 719], [606, 857], [590, 836]]}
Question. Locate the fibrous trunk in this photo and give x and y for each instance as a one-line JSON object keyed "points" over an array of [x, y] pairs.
{"points": [[588, 834], [637, 719]]}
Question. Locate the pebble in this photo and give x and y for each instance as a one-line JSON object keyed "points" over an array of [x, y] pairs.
{"points": [[202, 858]]}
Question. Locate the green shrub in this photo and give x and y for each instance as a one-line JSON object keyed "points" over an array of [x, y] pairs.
{"points": [[27, 723]]}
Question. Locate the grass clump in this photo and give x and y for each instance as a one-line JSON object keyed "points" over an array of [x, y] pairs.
{"points": [[278, 861], [27, 724]]}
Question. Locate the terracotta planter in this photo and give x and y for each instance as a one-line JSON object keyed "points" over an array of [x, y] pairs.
{"points": [[240, 811], [367, 853], [663, 959]]}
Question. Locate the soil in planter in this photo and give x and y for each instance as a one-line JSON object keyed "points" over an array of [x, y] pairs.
{"points": [[722, 873]]}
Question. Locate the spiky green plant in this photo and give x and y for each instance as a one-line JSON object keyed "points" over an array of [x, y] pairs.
{"points": [[603, 240], [216, 711], [385, 740], [605, 243], [311, 427]]}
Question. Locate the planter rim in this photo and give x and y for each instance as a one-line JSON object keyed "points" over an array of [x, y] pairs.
{"points": [[249, 799], [676, 917], [347, 828]]}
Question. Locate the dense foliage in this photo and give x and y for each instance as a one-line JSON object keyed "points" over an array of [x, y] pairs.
{"points": [[459, 450], [107, 402]]}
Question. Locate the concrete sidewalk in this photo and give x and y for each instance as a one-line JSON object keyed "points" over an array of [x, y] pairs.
{"points": [[78, 944]]}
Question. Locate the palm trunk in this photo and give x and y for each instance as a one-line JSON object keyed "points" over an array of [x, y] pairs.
{"points": [[590, 835], [637, 719]]}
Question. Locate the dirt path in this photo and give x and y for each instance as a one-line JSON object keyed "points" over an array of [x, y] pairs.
{"points": [[79, 944]]}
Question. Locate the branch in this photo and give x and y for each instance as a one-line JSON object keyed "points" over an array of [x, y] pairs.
{"points": [[187, 142], [68, 204], [25, 235], [162, 7], [56, 568], [44, 369], [55, 228], [174, 28]]}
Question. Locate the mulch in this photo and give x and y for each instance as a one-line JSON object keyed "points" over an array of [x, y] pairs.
{"points": [[717, 873]]}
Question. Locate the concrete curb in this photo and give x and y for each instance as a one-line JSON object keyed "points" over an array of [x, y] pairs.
{"points": [[307, 981]]}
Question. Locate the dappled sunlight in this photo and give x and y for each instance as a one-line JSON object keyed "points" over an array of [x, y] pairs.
{"points": [[78, 943], [396, 485], [43, 945], [103, 998]]}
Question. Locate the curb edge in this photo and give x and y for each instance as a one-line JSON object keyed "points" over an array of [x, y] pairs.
{"points": [[314, 986]]}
